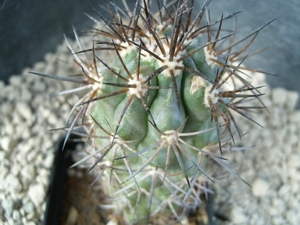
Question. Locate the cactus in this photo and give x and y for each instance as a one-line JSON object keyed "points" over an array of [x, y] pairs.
{"points": [[159, 96]]}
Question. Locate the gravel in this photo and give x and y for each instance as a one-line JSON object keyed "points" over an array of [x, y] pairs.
{"points": [[271, 167], [29, 108]]}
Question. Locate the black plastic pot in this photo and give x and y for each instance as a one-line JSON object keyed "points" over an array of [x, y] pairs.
{"points": [[62, 162]]}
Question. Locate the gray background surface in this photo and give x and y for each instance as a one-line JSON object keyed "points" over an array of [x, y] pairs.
{"points": [[29, 29]]}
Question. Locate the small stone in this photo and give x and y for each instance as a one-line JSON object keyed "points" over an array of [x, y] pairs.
{"points": [[15, 81], [276, 203], [72, 216], [114, 222], [291, 217], [39, 66], [24, 220], [48, 162], [292, 172], [283, 189], [14, 93], [8, 206], [292, 99], [24, 110], [52, 119], [37, 194], [38, 86], [293, 160], [237, 215], [5, 143], [2, 158], [295, 186], [273, 211], [10, 221], [7, 108], [27, 207], [31, 223], [13, 183], [295, 117], [25, 146], [22, 213], [30, 156], [279, 96], [259, 187], [31, 215], [292, 139], [26, 95], [16, 215], [4, 171], [27, 174], [278, 220]]}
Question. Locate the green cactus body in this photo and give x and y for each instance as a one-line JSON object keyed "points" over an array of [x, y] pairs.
{"points": [[159, 106], [159, 120]]}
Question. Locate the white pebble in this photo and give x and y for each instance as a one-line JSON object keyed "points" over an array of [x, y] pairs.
{"points": [[48, 162], [38, 86], [10, 221], [31, 215], [284, 189], [5, 143], [37, 194], [293, 160], [8, 206], [237, 215], [24, 220], [278, 220], [27, 207], [292, 138], [2, 158], [15, 81], [16, 215], [27, 174], [6, 108], [260, 187], [279, 96], [24, 110], [72, 216], [292, 172], [25, 146], [26, 94], [295, 186], [39, 66], [291, 217], [292, 98], [3, 173], [295, 117], [31, 155], [52, 119], [13, 183]]}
